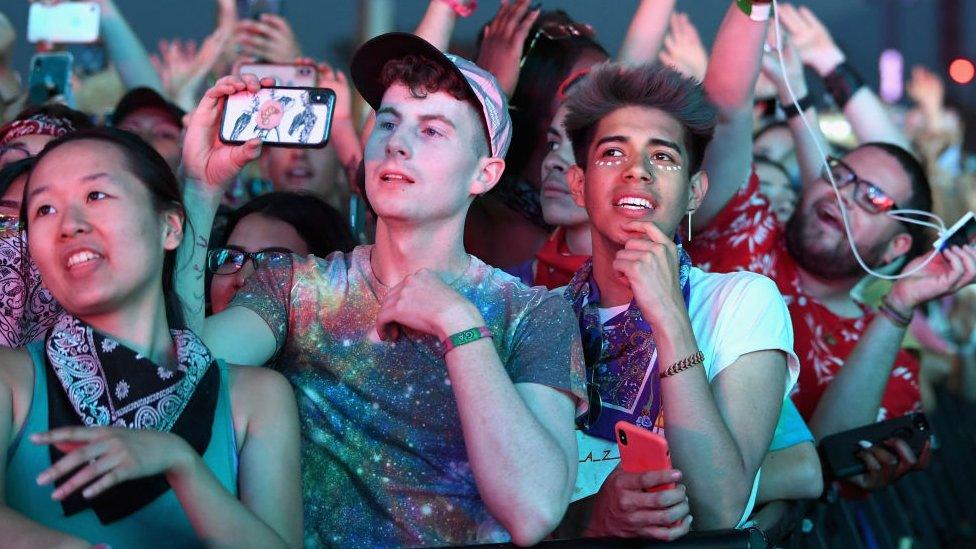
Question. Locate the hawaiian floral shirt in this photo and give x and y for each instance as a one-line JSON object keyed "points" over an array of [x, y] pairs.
{"points": [[747, 236]]}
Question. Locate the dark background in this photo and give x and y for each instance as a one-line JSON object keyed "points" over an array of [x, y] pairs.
{"points": [[927, 32]]}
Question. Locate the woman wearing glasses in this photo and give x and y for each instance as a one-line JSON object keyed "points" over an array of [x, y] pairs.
{"points": [[120, 427], [268, 229]]}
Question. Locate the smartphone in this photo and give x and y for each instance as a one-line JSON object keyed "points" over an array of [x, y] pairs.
{"points": [[962, 233], [252, 9], [89, 59], [279, 116], [50, 78], [64, 22], [642, 451], [292, 76], [838, 452]]}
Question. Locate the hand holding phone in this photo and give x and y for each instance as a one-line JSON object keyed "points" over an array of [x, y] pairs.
{"points": [[839, 452], [642, 451], [279, 116], [962, 233]]}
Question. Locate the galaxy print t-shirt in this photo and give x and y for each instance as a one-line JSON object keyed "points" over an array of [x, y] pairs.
{"points": [[383, 455]]}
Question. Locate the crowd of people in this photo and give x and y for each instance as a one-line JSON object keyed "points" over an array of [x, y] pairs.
{"points": [[426, 332]]}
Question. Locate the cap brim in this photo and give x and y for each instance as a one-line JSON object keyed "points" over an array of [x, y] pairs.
{"points": [[143, 98], [368, 61]]}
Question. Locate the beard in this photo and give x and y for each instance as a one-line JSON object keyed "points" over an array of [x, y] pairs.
{"points": [[806, 243]]}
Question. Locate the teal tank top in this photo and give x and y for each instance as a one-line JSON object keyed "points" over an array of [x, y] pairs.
{"points": [[162, 523]]}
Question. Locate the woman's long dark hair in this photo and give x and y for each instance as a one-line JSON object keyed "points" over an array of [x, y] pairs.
{"points": [[148, 167]]}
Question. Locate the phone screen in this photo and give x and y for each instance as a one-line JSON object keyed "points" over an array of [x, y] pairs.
{"points": [[252, 9]]}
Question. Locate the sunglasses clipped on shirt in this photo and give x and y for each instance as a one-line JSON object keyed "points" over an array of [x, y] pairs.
{"points": [[230, 259], [867, 195]]}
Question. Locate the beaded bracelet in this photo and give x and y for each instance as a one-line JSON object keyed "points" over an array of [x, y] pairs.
{"points": [[461, 8], [896, 318], [684, 364], [464, 337]]}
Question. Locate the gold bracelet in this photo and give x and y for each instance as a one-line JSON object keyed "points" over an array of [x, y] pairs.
{"points": [[684, 364]]}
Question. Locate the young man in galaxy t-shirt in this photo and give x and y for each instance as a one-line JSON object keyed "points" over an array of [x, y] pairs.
{"points": [[436, 394]]}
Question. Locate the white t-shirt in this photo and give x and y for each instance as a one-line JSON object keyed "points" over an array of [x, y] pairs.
{"points": [[732, 314]]}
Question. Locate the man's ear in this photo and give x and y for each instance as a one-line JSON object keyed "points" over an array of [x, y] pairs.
{"points": [[172, 229], [898, 246], [490, 171], [698, 188], [576, 178]]}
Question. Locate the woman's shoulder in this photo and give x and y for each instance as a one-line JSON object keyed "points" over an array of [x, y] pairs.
{"points": [[255, 389], [16, 369]]}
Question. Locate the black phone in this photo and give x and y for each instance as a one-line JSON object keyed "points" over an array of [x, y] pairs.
{"points": [[963, 233], [838, 452], [252, 9]]}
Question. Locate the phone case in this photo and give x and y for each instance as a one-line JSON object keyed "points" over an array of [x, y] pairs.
{"points": [[292, 76], [839, 451], [50, 77], [642, 451], [64, 23], [279, 116], [252, 9]]}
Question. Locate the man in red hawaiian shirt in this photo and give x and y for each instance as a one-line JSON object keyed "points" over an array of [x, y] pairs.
{"points": [[853, 370]]}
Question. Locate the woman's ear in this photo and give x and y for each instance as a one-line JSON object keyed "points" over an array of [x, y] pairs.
{"points": [[172, 229], [576, 178]]}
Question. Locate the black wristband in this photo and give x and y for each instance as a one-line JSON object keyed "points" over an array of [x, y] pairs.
{"points": [[805, 102], [842, 83]]}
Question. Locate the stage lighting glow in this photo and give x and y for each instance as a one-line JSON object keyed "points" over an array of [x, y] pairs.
{"points": [[962, 71]]}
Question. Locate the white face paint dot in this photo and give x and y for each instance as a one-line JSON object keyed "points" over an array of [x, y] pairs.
{"points": [[447, 381], [426, 510]]}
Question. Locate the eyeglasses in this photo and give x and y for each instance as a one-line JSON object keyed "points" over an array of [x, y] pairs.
{"points": [[867, 195], [554, 30], [230, 259]]}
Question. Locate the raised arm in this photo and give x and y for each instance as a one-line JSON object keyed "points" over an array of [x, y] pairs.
{"points": [[209, 165], [861, 106], [437, 26], [126, 51], [683, 48], [730, 82], [808, 140], [502, 44], [646, 32]]}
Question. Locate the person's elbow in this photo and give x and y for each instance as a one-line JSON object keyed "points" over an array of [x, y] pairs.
{"points": [[536, 521], [808, 473]]}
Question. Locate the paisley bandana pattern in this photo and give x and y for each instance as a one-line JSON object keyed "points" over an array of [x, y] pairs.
{"points": [[621, 355], [96, 374]]}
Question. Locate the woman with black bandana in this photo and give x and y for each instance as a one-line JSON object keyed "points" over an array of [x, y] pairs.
{"points": [[147, 439]]}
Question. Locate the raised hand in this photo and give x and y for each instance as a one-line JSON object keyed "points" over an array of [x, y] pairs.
{"points": [[949, 271], [927, 90], [182, 67], [812, 39], [113, 455], [772, 69], [270, 38], [622, 507], [206, 159], [503, 41], [683, 49]]}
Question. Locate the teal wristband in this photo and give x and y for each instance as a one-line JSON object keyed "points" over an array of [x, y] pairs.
{"points": [[464, 337]]}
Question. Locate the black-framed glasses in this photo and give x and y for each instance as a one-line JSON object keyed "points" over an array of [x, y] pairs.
{"points": [[230, 259], [867, 195], [554, 30]]}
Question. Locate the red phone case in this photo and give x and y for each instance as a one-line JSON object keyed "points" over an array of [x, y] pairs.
{"points": [[642, 451]]}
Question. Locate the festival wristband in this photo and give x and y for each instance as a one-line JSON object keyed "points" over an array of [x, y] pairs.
{"points": [[790, 110], [464, 337], [757, 10], [684, 364], [842, 83], [462, 8], [898, 319]]}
